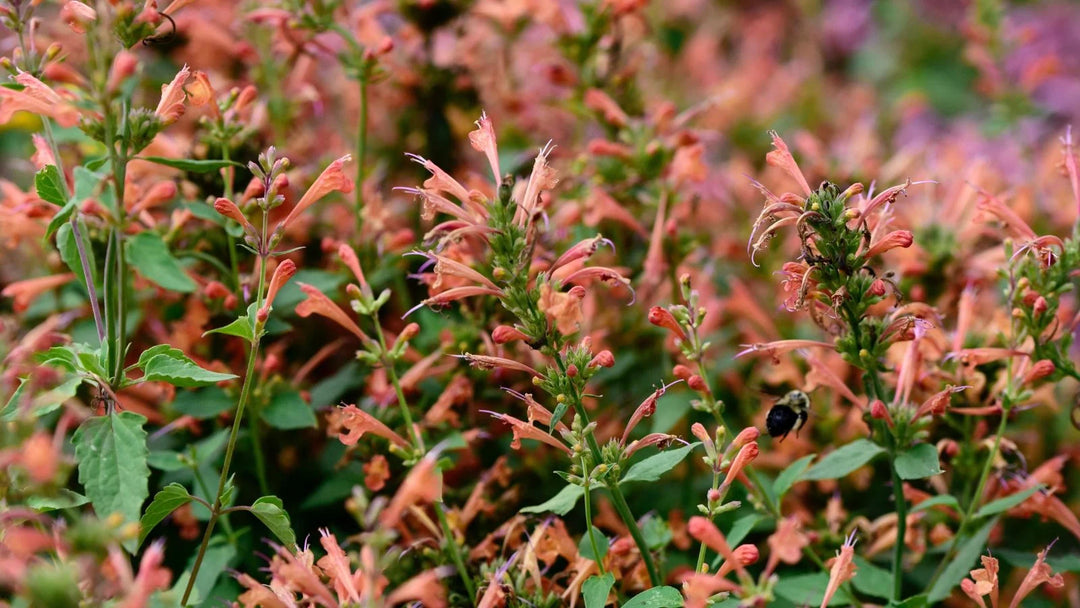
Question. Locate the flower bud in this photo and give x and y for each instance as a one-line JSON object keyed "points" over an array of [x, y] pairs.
{"points": [[714, 496], [879, 411], [697, 383], [1039, 370], [662, 317], [571, 371], [682, 372], [877, 288], [409, 332], [505, 333], [1040, 306], [603, 358], [77, 16]]}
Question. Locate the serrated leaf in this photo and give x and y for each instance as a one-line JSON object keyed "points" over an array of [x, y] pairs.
{"points": [[1004, 504], [240, 327], [809, 589], [585, 548], [63, 357], [50, 186], [657, 597], [203, 404], [64, 499], [651, 468], [169, 499], [561, 503], [595, 590], [918, 462], [181, 372], [946, 500], [111, 453], [872, 580], [150, 256], [159, 349], [790, 475], [288, 410], [844, 460], [271, 512], [959, 567], [190, 165]]}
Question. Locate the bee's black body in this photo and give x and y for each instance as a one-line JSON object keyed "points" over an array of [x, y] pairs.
{"points": [[788, 414]]}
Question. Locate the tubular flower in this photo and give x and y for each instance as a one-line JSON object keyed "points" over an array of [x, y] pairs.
{"points": [[746, 455], [705, 532], [583, 250], [842, 570], [26, 291], [525, 430], [781, 158], [543, 177], [983, 581], [489, 362], [483, 140], [423, 485], [662, 317], [455, 293], [1039, 574], [357, 422], [336, 565], [646, 409], [38, 98], [332, 179], [786, 544], [229, 209], [894, 240], [779, 347], [171, 106], [282, 274], [317, 303]]}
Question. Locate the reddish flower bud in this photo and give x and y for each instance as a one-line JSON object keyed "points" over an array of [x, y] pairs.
{"points": [[1040, 306], [682, 372], [215, 290], [1039, 370], [948, 447], [714, 495], [571, 371], [603, 358], [877, 288], [661, 317], [745, 436], [893, 240], [1028, 296], [697, 383], [504, 333], [409, 332], [881, 412], [77, 16]]}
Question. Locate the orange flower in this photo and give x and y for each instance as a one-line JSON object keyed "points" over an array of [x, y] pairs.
{"points": [[282, 274], [705, 532], [424, 589], [562, 308], [317, 303], [786, 544], [171, 106], [38, 98], [662, 317], [357, 422], [897, 239], [781, 158], [332, 179], [646, 409], [525, 430], [842, 570], [1039, 574], [745, 456], [779, 347], [983, 581], [543, 177], [336, 565], [26, 291], [422, 485], [150, 578], [77, 16]]}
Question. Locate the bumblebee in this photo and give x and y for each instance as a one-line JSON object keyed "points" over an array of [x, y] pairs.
{"points": [[788, 414]]}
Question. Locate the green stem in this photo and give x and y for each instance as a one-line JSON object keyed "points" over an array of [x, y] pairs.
{"points": [[361, 153], [901, 528], [256, 450], [230, 448], [452, 549], [617, 498], [972, 502], [588, 520]]}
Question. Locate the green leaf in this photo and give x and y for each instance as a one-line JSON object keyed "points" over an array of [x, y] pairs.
{"points": [[947, 500], [165, 460], [240, 327], [169, 499], [64, 499], [1004, 504], [651, 468], [111, 452], [585, 545], [159, 349], [670, 409], [11, 408], [918, 462], [790, 475], [288, 410], [219, 556], [149, 254], [915, 601], [561, 503], [181, 372], [50, 185], [809, 589], [959, 567], [844, 460], [271, 512], [61, 217], [69, 253], [657, 597], [189, 165], [872, 580], [741, 528], [595, 590], [203, 404]]}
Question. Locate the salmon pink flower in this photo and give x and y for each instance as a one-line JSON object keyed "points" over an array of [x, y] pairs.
{"points": [[646, 409], [893, 240], [662, 317], [424, 589], [562, 308], [26, 291], [332, 179], [504, 334], [746, 455], [171, 107], [317, 303], [599, 101], [423, 485], [705, 532], [1040, 574], [455, 293], [781, 158], [525, 430], [483, 140], [983, 581], [543, 177], [39, 98], [336, 565], [842, 568], [357, 422], [282, 274], [779, 347], [78, 16], [583, 250], [489, 362], [786, 544]]}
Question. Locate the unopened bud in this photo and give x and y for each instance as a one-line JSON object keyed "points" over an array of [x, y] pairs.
{"points": [[877, 288], [714, 496], [697, 383], [1040, 306], [571, 371], [603, 358], [682, 372]]}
